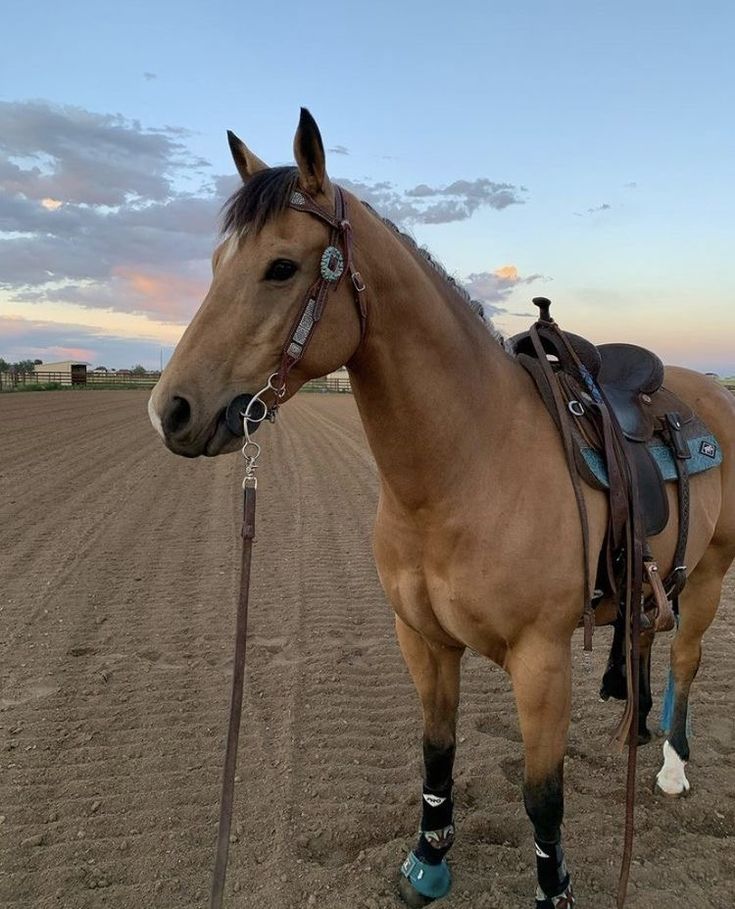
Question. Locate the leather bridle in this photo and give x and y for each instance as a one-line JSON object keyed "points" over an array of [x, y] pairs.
{"points": [[336, 261]]}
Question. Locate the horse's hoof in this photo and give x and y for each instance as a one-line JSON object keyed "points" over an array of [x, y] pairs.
{"points": [[565, 900], [644, 736], [411, 896], [420, 883], [671, 778]]}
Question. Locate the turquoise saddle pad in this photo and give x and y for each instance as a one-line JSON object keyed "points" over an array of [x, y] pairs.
{"points": [[705, 450]]}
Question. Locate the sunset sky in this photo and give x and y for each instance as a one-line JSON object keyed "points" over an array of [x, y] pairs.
{"points": [[583, 151]]}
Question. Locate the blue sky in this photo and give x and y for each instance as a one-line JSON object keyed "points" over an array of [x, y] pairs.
{"points": [[611, 124]]}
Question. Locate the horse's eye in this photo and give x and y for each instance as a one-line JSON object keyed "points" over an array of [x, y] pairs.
{"points": [[280, 270]]}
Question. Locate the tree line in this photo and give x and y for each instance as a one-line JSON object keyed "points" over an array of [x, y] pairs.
{"points": [[22, 367]]}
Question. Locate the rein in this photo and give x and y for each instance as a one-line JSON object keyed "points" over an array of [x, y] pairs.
{"points": [[333, 264]]}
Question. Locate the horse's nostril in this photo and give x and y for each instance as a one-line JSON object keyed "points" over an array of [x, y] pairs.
{"points": [[177, 416]]}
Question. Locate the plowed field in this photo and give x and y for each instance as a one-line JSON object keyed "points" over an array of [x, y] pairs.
{"points": [[118, 577]]}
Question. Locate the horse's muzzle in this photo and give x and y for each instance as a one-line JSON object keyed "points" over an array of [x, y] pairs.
{"points": [[236, 412]]}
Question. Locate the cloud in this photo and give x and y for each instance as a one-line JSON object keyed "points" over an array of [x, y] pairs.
{"points": [[81, 157], [495, 287], [631, 185], [91, 212], [50, 341], [436, 205], [102, 212], [593, 211], [149, 77], [339, 150]]}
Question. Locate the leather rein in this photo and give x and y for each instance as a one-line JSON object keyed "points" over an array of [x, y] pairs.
{"points": [[336, 260]]}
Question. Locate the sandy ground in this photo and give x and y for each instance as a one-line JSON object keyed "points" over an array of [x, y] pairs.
{"points": [[118, 574]]}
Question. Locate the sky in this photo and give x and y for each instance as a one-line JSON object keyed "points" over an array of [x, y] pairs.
{"points": [[578, 150]]}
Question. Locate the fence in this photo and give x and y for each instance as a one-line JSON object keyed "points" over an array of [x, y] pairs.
{"points": [[14, 380], [329, 383], [10, 381]]}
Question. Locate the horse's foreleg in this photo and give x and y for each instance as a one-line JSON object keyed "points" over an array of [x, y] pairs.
{"points": [[541, 674], [698, 605], [435, 673]]}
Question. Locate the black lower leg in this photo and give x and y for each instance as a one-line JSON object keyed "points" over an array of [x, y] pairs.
{"points": [[678, 734], [614, 682], [437, 828], [545, 807]]}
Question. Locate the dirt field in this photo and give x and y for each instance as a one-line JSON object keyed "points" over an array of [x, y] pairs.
{"points": [[118, 574]]}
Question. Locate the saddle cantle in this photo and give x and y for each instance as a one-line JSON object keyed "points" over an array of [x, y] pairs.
{"points": [[631, 376]]}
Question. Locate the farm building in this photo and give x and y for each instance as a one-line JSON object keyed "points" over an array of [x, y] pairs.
{"points": [[67, 372]]}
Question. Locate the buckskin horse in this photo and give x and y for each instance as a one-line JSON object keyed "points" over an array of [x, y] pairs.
{"points": [[478, 537]]}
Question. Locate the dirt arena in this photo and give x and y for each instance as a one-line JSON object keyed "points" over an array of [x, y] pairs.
{"points": [[118, 576]]}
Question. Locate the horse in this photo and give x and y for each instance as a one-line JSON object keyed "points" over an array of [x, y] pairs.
{"points": [[477, 536]]}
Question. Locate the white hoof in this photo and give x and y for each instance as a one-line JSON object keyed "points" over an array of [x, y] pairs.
{"points": [[671, 778]]}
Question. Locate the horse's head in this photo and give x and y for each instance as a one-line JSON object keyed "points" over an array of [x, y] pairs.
{"points": [[284, 256]]}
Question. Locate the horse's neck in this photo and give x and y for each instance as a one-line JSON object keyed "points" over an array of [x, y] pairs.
{"points": [[429, 379]]}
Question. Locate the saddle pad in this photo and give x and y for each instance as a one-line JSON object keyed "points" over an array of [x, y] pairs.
{"points": [[705, 450]]}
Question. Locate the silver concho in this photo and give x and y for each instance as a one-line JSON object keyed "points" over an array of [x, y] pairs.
{"points": [[332, 264], [297, 199]]}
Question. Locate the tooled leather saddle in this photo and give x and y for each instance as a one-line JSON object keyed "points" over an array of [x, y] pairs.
{"points": [[625, 432]]}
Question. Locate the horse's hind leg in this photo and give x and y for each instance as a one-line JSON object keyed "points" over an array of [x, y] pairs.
{"points": [[697, 607], [614, 681], [435, 673], [541, 674]]}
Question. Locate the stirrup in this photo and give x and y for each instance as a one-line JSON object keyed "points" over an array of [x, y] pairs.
{"points": [[433, 881]]}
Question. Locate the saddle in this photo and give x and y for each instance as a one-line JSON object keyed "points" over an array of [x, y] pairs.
{"points": [[625, 432]]}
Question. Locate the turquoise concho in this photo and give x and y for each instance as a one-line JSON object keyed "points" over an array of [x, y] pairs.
{"points": [[332, 264]]}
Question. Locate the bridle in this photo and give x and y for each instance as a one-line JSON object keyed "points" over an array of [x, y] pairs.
{"points": [[336, 260], [334, 264]]}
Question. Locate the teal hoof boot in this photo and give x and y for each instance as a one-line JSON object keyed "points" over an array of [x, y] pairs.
{"points": [[420, 883]]}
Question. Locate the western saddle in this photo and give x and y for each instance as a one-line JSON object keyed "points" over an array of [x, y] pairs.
{"points": [[611, 407]]}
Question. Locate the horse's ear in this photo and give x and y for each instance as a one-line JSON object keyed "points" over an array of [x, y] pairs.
{"points": [[308, 150], [246, 162]]}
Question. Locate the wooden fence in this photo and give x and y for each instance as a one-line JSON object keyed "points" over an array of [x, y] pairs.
{"points": [[329, 383], [14, 380], [10, 381]]}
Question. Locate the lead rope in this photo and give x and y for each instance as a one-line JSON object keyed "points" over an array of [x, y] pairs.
{"points": [[332, 268], [250, 452]]}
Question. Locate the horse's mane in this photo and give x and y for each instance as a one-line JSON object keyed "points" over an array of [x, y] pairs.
{"points": [[267, 194]]}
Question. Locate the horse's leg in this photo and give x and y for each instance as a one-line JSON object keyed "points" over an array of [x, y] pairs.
{"points": [[697, 607], [435, 673], [541, 674], [614, 681]]}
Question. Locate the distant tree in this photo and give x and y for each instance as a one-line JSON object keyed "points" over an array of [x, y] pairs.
{"points": [[24, 367], [138, 370], [4, 365], [38, 362]]}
